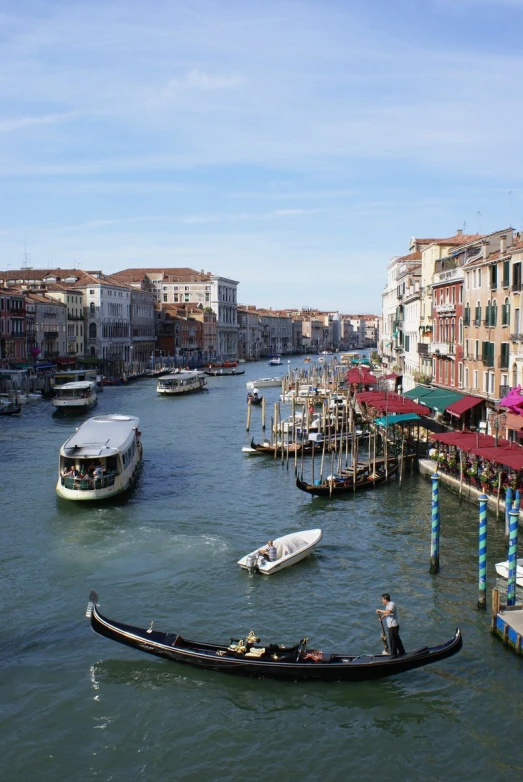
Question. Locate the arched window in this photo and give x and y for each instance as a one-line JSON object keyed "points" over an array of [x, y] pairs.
{"points": [[92, 331], [93, 351]]}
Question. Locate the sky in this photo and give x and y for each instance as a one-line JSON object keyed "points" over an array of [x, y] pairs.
{"points": [[293, 146]]}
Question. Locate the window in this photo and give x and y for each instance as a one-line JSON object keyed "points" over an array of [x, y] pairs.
{"points": [[505, 313], [92, 331], [165, 297], [475, 386], [506, 274], [92, 308]]}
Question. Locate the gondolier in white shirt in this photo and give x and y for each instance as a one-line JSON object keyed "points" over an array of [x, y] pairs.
{"points": [[390, 614]]}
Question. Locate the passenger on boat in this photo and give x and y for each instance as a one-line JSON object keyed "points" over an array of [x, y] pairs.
{"points": [[269, 551], [98, 472]]}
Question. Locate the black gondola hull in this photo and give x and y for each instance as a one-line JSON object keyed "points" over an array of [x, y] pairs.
{"points": [[325, 490], [279, 662]]}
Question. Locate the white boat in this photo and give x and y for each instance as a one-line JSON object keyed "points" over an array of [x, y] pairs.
{"points": [[502, 571], [291, 549], [101, 459], [75, 396], [265, 382], [275, 362], [181, 382]]}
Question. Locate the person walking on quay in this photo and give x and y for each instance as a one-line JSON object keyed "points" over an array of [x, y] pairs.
{"points": [[390, 614]]}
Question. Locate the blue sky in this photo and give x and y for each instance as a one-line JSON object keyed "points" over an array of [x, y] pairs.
{"points": [[294, 146]]}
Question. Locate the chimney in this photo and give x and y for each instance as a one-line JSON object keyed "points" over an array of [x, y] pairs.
{"points": [[502, 245], [484, 245], [459, 232]]}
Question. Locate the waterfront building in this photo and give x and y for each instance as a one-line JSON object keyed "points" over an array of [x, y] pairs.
{"points": [[50, 326], [187, 286], [250, 333], [74, 327], [13, 345]]}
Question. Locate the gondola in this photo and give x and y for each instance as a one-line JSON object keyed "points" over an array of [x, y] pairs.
{"points": [[10, 408], [302, 447], [245, 657], [345, 483], [224, 372], [254, 400]]}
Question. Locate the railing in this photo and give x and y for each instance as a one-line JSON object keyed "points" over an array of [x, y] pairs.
{"points": [[89, 484], [516, 337], [503, 362], [493, 285], [443, 348], [503, 391], [423, 349], [516, 286], [476, 323], [489, 362], [446, 307]]}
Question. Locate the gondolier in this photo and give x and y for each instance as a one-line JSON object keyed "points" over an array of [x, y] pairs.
{"points": [[390, 614]]}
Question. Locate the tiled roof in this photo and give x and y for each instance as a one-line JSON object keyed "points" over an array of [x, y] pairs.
{"points": [[166, 275]]}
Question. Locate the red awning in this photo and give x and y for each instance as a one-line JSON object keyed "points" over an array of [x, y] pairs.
{"points": [[392, 376], [511, 456], [361, 376], [387, 403], [462, 405], [465, 441]]}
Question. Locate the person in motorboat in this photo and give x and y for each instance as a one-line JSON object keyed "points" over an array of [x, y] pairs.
{"points": [[390, 614], [269, 551]]}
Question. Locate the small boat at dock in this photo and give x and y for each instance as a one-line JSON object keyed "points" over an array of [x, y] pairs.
{"points": [[291, 548], [265, 382], [247, 657], [366, 476], [502, 571], [224, 371], [10, 408]]}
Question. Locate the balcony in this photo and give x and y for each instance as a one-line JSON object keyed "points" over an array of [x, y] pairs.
{"points": [[493, 285], [476, 323], [516, 337], [50, 335], [442, 348], [423, 349], [448, 307], [503, 391], [516, 287]]}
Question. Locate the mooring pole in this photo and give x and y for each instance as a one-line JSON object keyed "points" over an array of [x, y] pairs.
{"points": [[434, 539], [482, 552], [249, 408], [517, 500], [508, 506], [512, 557]]}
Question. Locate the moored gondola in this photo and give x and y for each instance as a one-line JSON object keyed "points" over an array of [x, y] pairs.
{"points": [[366, 478], [246, 657]]}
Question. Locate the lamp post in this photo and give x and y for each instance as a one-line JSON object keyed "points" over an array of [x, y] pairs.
{"points": [[497, 421]]}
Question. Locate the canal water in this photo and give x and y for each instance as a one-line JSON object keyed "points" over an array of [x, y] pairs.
{"points": [[76, 706]]}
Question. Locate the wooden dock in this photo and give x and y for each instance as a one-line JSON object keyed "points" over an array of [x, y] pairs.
{"points": [[507, 623]]}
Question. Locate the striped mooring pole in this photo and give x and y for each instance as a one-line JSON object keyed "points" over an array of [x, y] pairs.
{"points": [[482, 552], [434, 538], [512, 557], [517, 500], [508, 505]]}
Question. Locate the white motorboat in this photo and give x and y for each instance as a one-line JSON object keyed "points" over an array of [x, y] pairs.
{"points": [[290, 548], [265, 382], [181, 382], [275, 362], [101, 459], [75, 396], [502, 571]]}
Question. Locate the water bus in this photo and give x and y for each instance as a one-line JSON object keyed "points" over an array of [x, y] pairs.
{"points": [[75, 397], [101, 459], [181, 382]]}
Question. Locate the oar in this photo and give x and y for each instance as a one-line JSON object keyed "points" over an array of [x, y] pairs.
{"points": [[386, 649]]}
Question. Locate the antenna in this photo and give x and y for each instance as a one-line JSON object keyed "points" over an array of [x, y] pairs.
{"points": [[479, 215], [25, 264]]}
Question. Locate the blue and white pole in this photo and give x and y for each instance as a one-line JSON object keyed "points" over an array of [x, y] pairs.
{"points": [[434, 538], [482, 552], [508, 506], [512, 557], [517, 500]]}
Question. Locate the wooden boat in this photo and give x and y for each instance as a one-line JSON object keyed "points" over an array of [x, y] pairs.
{"points": [[105, 455], [274, 661], [267, 448], [344, 483], [502, 571], [291, 548], [254, 399], [222, 372], [10, 408]]}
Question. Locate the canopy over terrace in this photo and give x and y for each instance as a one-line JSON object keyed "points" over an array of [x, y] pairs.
{"points": [[505, 453], [401, 418], [386, 403], [361, 375], [436, 398]]}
